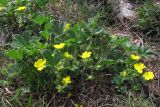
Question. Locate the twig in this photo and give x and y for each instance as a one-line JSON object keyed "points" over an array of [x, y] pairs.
{"points": [[51, 100]]}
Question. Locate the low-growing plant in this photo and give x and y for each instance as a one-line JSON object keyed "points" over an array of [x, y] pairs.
{"points": [[58, 55]]}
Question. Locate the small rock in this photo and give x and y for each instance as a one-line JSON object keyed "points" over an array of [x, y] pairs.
{"points": [[126, 11], [157, 1]]}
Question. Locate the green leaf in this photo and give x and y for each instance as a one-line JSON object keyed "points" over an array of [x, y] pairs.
{"points": [[41, 19], [70, 41], [3, 2], [48, 26], [30, 103], [45, 34], [98, 31], [14, 54], [52, 58], [121, 41], [20, 41], [107, 62]]}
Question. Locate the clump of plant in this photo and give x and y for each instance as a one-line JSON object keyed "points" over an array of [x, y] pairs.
{"points": [[149, 21], [54, 58], [133, 75]]}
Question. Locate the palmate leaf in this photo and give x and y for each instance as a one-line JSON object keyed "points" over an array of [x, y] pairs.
{"points": [[41, 19], [24, 45], [14, 54], [20, 41], [52, 58]]}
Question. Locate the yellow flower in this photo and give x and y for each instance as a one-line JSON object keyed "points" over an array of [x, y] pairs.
{"points": [[21, 8], [66, 27], [40, 64], [59, 46], [66, 80], [85, 55], [135, 57], [123, 73], [148, 75], [139, 67], [67, 55], [1, 8]]}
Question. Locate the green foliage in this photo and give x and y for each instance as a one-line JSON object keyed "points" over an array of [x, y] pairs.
{"points": [[60, 71], [149, 20], [3, 2], [49, 55]]}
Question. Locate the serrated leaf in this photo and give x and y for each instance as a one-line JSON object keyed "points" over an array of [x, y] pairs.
{"points": [[20, 41], [14, 54]]}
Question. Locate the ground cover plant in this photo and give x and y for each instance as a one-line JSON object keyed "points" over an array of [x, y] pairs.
{"points": [[47, 55]]}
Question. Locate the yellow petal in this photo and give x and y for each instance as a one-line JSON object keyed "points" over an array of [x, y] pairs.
{"points": [[40, 64], [148, 75], [40, 68], [59, 46], [139, 67], [67, 55], [21, 8], [86, 54], [135, 57]]}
